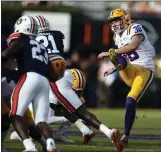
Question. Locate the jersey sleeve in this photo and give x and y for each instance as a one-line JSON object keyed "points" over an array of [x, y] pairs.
{"points": [[135, 29], [12, 37]]}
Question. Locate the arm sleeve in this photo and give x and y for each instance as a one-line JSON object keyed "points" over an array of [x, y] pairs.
{"points": [[135, 29], [12, 37], [14, 43]]}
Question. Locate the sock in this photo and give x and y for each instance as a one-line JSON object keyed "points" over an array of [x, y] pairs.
{"points": [[130, 114], [122, 60], [4, 134], [105, 130], [50, 144], [82, 127], [42, 142], [64, 127], [29, 145]]}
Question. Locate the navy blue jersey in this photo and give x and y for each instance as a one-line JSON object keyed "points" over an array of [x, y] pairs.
{"points": [[53, 41], [32, 56]]}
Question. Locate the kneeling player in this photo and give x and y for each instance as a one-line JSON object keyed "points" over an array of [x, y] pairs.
{"points": [[75, 80]]}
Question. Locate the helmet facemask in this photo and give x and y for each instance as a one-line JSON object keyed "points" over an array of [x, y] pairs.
{"points": [[119, 20], [117, 25]]}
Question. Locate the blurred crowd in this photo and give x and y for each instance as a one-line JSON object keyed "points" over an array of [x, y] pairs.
{"points": [[157, 61], [152, 7], [131, 6]]}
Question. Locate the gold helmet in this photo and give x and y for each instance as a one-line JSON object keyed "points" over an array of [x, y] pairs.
{"points": [[57, 66], [79, 80], [120, 14]]}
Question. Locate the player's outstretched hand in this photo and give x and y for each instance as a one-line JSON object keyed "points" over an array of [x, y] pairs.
{"points": [[102, 55], [109, 71]]}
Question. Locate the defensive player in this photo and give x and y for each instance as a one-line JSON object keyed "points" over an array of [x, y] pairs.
{"points": [[133, 59], [62, 90], [33, 85], [5, 93]]}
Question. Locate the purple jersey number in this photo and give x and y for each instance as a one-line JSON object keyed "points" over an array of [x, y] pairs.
{"points": [[133, 56], [137, 28]]}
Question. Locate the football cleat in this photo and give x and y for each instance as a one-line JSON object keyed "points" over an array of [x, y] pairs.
{"points": [[53, 150], [62, 137], [14, 136], [115, 136], [124, 141], [114, 59], [88, 137]]}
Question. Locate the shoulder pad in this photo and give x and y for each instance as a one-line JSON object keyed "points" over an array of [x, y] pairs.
{"points": [[13, 36], [60, 33]]}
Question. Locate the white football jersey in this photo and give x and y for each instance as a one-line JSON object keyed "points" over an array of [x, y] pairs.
{"points": [[144, 54]]}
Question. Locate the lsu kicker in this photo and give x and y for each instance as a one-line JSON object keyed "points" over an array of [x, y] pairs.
{"points": [[133, 59]]}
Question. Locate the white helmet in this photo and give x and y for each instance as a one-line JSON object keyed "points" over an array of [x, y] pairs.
{"points": [[42, 23], [26, 25]]}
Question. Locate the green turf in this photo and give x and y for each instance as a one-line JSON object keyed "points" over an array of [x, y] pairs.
{"points": [[147, 122]]}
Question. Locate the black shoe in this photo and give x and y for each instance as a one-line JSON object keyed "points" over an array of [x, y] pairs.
{"points": [[124, 142]]}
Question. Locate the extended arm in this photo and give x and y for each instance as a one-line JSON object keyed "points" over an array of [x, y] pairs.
{"points": [[13, 48], [131, 47], [128, 49]]}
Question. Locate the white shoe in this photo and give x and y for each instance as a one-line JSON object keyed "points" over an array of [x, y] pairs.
{"points": [[15, 136], [62, 137]]}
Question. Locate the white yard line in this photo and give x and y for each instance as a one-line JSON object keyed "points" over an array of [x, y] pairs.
{"points": [[112, 148]]}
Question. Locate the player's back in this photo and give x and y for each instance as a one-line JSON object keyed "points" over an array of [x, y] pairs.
{"points": [[32, 56], [52, 40]]}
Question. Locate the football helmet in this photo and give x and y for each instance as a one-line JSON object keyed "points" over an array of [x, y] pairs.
{"points": [[57, 66], [79, 80], [26, 25], [42, 23], [121, 15]]}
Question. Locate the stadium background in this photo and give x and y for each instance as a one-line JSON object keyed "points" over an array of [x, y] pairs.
{"points": [[87, 34]]}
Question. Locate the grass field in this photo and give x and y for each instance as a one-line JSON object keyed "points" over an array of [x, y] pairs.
{"points": [[145, 136]]}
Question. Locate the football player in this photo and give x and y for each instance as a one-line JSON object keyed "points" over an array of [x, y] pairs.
{"points": [[133, 59], [62, 89], [5, 93], [33, 85]]}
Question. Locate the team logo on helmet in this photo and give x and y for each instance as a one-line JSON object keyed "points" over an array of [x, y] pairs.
{"points": [[26, 25]]}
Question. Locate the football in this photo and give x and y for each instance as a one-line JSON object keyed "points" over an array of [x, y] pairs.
{"points": [[57, 66]]}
